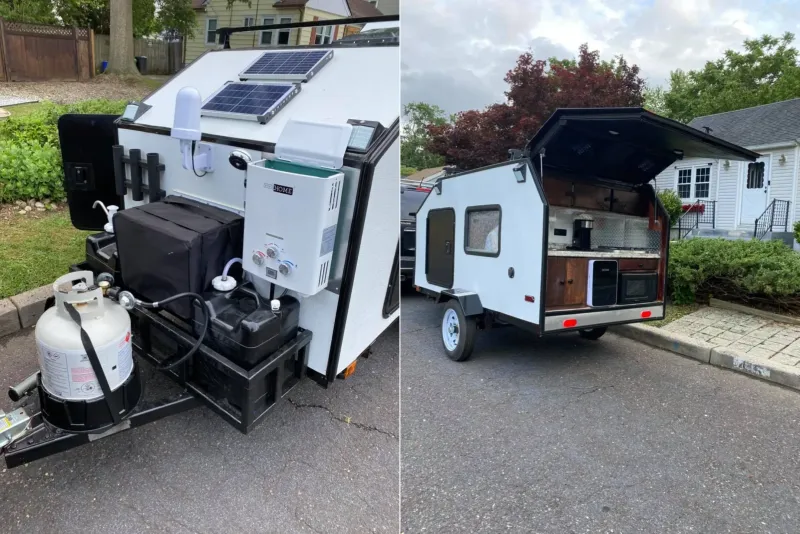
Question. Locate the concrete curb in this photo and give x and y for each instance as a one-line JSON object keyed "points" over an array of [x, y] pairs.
{"points": [[678, 343], [763, 368], [23, 310]]}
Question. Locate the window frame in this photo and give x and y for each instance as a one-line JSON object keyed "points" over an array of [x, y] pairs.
{"points": [[321, 33], [271, 33], [252, 20], [483, 207], [692, 183], [288, 31], [208, 23]]}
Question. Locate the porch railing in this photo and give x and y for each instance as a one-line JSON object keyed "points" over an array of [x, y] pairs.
{"points": [[695, 214], [775, 216]]}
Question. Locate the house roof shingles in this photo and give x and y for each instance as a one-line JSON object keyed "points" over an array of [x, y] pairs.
{"points": [[290, 3], [198, 4], [362, 8], [761, 125]]}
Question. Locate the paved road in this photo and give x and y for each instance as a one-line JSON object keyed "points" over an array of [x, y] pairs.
{"points": [[301, 470], [566, 435]]}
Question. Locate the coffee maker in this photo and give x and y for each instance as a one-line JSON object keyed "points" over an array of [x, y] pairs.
{"points": [[582, 233]]}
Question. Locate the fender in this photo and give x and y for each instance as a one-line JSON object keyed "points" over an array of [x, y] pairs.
{"points": [[470, 302]]}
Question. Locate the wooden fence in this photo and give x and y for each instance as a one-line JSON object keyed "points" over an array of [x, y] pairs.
{"points": [[163, 57], [35, 52]]}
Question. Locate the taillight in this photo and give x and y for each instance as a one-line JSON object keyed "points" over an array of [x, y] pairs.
{"points": [[422, 189], [646, 314], [569, 323]]}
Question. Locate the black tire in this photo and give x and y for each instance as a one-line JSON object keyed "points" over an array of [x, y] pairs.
{"points": [[593, 333], [467, 326]]}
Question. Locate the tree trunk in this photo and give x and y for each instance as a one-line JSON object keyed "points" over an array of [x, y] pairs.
{"points": [[121, 32]]}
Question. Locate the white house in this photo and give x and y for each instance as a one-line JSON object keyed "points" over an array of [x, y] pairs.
{"points": [[735, 194]]}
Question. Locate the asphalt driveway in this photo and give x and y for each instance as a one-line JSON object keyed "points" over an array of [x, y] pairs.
{"points": [[304, 469], [564, 435]]}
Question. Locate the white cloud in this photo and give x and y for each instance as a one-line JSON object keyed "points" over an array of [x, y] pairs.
{"points": [[457, 52]]}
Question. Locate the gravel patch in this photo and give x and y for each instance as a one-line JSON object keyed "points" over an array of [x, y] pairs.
{"points": [[13, 100], [108, 87]]}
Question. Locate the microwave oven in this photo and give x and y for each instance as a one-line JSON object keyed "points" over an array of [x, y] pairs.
{"points": [[635, 288]]}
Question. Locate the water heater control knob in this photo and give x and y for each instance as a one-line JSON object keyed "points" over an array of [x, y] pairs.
{"points": [[273, 252], [284, 269], [258, 257]]}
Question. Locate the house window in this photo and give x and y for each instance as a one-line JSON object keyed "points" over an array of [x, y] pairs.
{"points": [[694, 182], [482, 232], [685, 183], [211, 28], [755, 175], [283, 35], [249, 21], [702, 179], [323, 35], [266, 36]]}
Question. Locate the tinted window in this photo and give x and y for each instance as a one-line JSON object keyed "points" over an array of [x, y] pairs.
{"points": [[410, 201]]}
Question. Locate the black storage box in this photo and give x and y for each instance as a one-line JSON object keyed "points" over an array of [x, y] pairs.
{"points": [[174, 246], [243, 327], [101, 254]]}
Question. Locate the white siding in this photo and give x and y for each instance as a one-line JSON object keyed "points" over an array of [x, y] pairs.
{"points": [[728, 195], [781, 176]]}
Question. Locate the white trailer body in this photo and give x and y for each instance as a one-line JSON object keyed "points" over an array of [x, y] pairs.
{"points": [[356, 84], [566, 236]]}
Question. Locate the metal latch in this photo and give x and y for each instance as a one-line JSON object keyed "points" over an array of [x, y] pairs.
{"points": [[13, 426]]}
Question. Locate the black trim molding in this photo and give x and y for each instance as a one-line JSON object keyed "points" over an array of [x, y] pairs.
{"points": [[487, 207]]}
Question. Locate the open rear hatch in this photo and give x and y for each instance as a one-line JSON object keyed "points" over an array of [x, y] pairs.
{"points": [[627, 145]]}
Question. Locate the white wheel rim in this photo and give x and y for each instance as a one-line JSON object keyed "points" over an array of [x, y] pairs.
{"points": [[450, 330]]}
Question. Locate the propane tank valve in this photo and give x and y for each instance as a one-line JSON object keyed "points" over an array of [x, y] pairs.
{"points": [[126, 300]]}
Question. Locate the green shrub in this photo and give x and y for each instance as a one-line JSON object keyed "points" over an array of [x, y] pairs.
{"points": [[733, 269], [407, 171], [672, 203], [30, 170], [30, 157], [797, 231]]}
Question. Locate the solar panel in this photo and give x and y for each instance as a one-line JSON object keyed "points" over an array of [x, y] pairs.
{"points": [[258, 101], [295, 65]]}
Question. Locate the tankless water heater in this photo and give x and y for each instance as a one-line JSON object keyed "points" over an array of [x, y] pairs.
{"points": [[292, 207]]}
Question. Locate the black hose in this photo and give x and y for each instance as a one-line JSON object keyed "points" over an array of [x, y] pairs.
{"points": [[199, 299]]}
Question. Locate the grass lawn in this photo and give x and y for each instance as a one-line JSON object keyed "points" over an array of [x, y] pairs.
{"points": [[20, 110], [673, 313], [36, 251]]}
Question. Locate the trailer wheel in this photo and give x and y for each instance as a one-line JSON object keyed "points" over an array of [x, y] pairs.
{"points": [[593, 333], [458, 332]]}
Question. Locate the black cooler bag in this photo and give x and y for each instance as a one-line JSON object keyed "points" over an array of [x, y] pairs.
{"points": [[174, 246]]}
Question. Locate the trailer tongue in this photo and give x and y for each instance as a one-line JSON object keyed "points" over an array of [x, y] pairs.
{"points": [[568, 235], [247, 236]]}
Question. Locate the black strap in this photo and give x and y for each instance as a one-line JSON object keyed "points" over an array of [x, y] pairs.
{"points": [[97, 367]]}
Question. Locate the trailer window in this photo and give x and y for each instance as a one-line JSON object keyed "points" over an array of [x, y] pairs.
{"points": [[482, 231]]}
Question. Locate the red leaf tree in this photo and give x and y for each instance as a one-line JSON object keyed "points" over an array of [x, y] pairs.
{"points": [[537, 89]]}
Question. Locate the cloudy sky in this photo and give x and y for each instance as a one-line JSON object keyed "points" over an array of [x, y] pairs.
{"points": [[455, 53]]}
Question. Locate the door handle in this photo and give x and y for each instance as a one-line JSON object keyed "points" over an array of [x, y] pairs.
{"points": [[447, 247], [569, 281]]}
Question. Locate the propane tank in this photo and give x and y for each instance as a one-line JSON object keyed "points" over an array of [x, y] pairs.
{"points": [[65, 367], [70, 393]]}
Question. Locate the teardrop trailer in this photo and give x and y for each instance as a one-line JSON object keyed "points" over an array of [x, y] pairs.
{"points": [[255, 244], [566, 236]]}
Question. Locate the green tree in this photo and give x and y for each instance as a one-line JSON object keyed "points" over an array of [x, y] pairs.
{"points": [[654, 100], [32, 11], [176, 17], [766, 71], [419, 118], [96, 14]]}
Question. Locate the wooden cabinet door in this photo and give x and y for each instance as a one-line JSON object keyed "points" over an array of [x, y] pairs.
{"points": [[556, 281], [577, 276]]}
